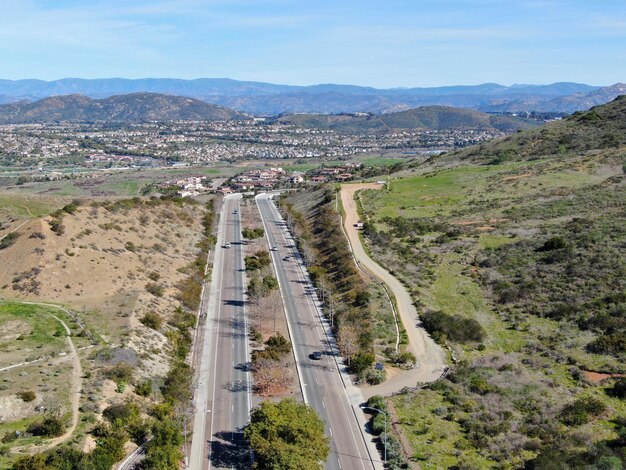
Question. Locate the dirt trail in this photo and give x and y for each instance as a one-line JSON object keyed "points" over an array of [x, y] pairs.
{"points": [[76, 381], [430, 357]]}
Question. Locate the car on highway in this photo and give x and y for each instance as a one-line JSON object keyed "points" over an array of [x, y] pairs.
{"points": [[317, 355], [274, 248], [227, 245], [235, 212]]}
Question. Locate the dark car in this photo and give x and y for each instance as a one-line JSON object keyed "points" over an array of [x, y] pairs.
{"points": [[317, 355]]}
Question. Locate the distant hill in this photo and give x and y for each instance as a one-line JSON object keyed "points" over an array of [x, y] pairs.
{"points": [[272, 99], [426, 117], [603, 127], [134, 107], [579, 101]]}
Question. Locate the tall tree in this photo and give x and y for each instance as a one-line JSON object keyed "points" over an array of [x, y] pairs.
{"points": [[287, 436]]}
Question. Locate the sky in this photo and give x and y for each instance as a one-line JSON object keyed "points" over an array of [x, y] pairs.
{"points": [[382, 43]]}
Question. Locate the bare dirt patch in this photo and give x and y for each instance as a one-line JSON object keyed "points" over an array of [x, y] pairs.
{"points": [[516, 177], [13, 408], [13, 329], [597, 377]]}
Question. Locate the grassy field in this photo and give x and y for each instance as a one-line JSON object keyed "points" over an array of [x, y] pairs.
{"points": [[28, 332], [451, 191], [31, 333], [26, 207]]}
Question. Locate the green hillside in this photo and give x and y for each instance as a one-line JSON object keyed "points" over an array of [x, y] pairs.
{"points": [[600, 128], [530, 246], [425, 117]]}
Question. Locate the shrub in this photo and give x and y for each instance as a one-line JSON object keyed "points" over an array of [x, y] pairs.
{"points": [[144, 388], [374, 376], [360, 362], [120, 372], [27, 395], [154, 276], [190, 290], [155, 289], [619, 388], [404, 360], [50, 426], [177, 386], [554, 243], [8, 240], [120, 415], [256, 335], [362, 298], [279, 344], [613, 343], [582, 411], [454, 327], [152, 320]]}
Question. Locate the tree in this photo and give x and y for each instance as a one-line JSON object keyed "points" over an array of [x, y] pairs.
{"points": [[287, 435], [348, 341], [270, 376]]}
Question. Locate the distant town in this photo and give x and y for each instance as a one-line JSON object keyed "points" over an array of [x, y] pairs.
{"points": [[43, 148]]}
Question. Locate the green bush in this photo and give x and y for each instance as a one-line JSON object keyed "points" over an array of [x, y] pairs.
{"points": [[152, 320], [453, 327], [360, 362], [619, 388], [120, 372], [155, 289], [50, 426], [122, 414], [8, 240], [374, 376], [27, 395], [582, 411], [144, 389]]}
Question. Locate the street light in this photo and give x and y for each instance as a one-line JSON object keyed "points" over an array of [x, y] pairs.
{"points": [[385, 434]]}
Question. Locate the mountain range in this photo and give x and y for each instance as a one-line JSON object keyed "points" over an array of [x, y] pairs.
{"points": [[133, 107], [271, 99], [145, 107]]}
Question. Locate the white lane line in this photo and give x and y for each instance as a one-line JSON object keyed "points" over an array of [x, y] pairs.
{"points": [[220, 264], [282, 289], [328, 339]]}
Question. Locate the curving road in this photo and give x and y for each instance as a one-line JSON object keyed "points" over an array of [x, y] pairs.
{"points": [[430, 356]]}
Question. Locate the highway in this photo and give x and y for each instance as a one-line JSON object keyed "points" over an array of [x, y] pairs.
{"points": [[222, 399], [322, 384]]}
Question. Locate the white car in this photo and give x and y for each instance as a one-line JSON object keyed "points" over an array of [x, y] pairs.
{"points": [[274, 248], [227, 245]]}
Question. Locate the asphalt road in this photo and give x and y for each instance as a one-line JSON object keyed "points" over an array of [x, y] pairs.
{"points": [[320, 380], [223, 395]]}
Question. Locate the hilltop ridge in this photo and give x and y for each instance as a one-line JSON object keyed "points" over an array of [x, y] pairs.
{"points": [[134, 107], [424, 117], [602, 127]]}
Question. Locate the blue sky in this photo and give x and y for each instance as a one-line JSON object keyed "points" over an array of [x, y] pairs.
{"points": [[383, 43]]}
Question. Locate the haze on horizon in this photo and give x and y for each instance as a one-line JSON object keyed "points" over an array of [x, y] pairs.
{"points": [[391, 44]]}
